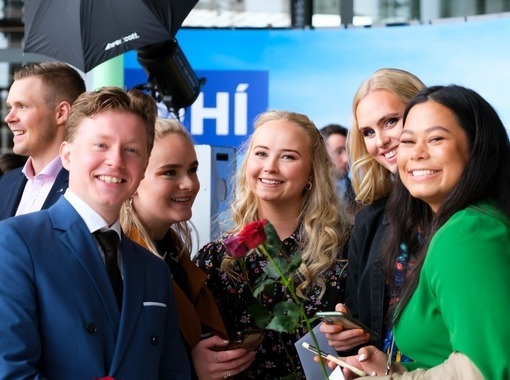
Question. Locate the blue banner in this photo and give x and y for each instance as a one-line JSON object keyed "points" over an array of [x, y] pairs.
{"points": [[224, 111], [317, 71]]}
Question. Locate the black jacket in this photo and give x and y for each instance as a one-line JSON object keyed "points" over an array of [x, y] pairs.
{"points": [[365, 293]]}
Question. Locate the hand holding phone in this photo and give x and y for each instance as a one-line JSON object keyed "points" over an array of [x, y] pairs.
{"points": [[346, 320], [333, 359], [248, 339]]}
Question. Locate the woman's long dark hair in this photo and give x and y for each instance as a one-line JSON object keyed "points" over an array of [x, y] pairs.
{"points": [[486, 176]]}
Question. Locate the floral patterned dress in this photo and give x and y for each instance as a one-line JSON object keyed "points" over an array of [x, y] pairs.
{"points": [[234, 297]]}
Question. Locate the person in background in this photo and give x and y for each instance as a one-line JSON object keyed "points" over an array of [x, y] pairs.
{"points": [[378, 108], [10, 161], [286, 178], [336, 140], [39, 103], [72, 305], [460, 203], [157, 216]]}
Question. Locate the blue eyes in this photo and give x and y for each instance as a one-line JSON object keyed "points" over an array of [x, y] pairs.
{"points": [[283, 156], [175, 173], [367, 132]]}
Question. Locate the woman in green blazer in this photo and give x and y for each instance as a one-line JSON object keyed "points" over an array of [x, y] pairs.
{"points": [[453, 180]]}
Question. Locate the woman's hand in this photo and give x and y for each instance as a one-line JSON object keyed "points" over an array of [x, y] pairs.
{"points": [[340, 339], [211, 365], [369, 359]]}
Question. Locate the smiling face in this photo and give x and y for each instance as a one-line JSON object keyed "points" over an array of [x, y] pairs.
{"points": [[278, 163], [379, 117], [433, 153], [167, 192], [106, 160], [35, 124]]}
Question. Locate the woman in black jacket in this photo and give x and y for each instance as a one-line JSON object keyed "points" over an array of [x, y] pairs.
{"points": [[378, 107]]}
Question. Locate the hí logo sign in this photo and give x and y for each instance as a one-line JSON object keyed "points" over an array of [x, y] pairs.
{"points": [[224, 111]]}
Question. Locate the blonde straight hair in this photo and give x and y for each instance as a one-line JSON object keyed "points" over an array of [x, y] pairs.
{"points": [[370, 180], [181, 232]]}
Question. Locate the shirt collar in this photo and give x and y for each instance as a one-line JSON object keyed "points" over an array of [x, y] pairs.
{"points": [[50, 170], [92, 219]]}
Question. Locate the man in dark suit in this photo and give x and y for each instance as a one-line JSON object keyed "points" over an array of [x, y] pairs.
{"points": [[335, 136], [39, 103], [61, 316]]}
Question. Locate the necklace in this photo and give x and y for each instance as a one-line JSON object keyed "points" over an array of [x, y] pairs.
{"points": [[403, 264]]}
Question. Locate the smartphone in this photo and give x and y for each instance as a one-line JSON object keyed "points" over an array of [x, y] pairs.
{"points": [[346, 320], [334, 359], [248, 339]]}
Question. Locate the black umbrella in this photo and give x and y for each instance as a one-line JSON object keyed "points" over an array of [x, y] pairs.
{"points": [[85, 33]]}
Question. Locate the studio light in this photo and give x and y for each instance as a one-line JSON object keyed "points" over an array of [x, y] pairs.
{"points": [[171, 79]]}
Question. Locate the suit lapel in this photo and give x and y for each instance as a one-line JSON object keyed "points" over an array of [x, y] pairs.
{"points": [[12, 192], [58, 188], [80, 243], [132, 301]]}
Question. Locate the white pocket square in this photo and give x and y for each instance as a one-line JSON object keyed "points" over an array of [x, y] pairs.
{"points": [[158, 304]]}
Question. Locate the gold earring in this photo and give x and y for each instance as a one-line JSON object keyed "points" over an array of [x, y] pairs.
{"points": [[129, 207], [308, 186]]}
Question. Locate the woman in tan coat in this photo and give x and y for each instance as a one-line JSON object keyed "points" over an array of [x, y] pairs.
{"points": [[157, 217]]}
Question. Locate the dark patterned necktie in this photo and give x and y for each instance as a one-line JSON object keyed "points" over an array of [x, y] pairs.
{"points": [[109, 241]]}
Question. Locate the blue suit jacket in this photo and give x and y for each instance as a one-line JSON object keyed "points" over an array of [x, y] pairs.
{"points": [[59, 315], [13, 183]]}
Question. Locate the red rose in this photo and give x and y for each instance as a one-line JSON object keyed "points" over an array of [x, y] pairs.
{"points": [[235, 246], [253, 234]]}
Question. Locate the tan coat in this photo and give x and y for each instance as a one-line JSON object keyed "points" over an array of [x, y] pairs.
{"points": [[456, 367]]}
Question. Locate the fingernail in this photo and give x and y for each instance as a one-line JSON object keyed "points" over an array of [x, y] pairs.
{"points": [[362, 357], [373, 374]]}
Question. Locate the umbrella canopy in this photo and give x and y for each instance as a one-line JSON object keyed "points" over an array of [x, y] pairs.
{"points": [[86, 33]]}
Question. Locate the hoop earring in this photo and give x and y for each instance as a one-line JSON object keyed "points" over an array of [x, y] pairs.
{"points": [[129, 207], [308, 186]]}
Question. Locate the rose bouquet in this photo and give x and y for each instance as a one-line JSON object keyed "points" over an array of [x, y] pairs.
{"points": [[285, 316]]}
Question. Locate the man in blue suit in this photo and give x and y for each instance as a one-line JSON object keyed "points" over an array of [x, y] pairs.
{"points": [[60, 316], [39, 103]]}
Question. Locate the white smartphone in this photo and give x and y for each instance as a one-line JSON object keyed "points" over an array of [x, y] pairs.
{"points": [[333, 359]]}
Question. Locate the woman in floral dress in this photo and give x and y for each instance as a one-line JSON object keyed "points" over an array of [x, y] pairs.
{"points": [[286, 178]]}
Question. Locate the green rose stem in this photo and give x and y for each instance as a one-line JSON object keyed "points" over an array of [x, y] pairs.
{"points": [[294, 369], [284, 346], [290, 286]]}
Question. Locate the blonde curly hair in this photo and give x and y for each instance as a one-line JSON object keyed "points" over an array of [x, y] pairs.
{"points": [[370, 180], [323, 231]]}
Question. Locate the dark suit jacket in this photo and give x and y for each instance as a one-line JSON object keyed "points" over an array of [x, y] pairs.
{"points": [[60, 318], [13, 183]]}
